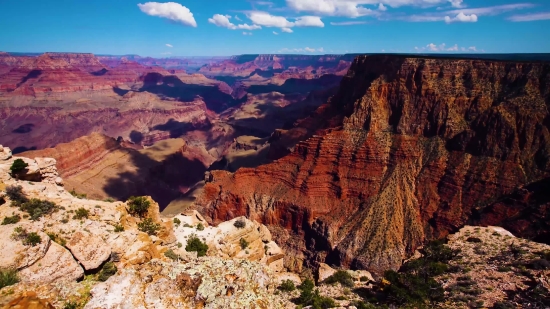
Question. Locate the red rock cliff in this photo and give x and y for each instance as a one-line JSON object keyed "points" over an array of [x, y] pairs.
{"points": [[421, 147]]}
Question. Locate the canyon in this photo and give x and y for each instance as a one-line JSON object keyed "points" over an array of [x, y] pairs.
{"points": [[409, 149]]}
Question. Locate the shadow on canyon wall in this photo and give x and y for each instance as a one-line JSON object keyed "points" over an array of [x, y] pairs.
{"points": [[295, 85], [173, 87]]}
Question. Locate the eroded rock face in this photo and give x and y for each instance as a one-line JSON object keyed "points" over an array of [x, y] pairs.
{"points": [[420, 147], [91, 251], [57, 265], [15, 255]]}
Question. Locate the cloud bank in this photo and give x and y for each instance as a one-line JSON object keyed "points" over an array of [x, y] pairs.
{"points": [[169, 10]]}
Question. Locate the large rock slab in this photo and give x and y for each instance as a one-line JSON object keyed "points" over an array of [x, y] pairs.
{"points": [[90, 250], [13, 254], [5, 153], [57, 265]]}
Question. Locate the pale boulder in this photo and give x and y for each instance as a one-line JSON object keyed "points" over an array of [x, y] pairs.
{"points": [[90, 250], [325, 271], [5, 153], [288, 276], [57, 265], [13, 254]]}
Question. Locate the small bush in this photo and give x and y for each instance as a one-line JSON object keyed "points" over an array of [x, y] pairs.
{"points": [[81, 213], [109, 200], [171, 255], [342, 277], [18, 166], [108, 270], [310, 297], [71, 305], [287, 286], [195, 244], [148, 226], [503, 305], [364, 279], [78, 195], [8, 277], [56, 238], [239, 224], [200, 227], [32, 239], [11, 220], [16, 195], [244, 244], [138, 205], [177, 221], [119, 228], [504, 269], [36, 208]]}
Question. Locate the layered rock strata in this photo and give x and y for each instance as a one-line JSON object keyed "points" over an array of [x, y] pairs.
{"points": [[418, 148]]}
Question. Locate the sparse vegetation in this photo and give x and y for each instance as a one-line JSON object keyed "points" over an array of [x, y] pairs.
{"points": [[78, 195], [287, 286], [81, 213], [195, 244], [11, 220], [71, 305], [311, 297], [16, 195], [177, 222], [364, 279], [138, 206], [8, 277], [108, 270], [239, 224], [119, 228], [56, 238], [36, 208], [342, 277], [18, 166], [171, 255], [200, 227], [244, 244], [148, 226]]}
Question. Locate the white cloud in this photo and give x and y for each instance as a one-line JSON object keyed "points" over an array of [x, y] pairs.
{"points": [[347, 8], [223, 21], [461, 17], [309, 21], [456, 3], [168, 53], [530, 17], [267, 20], [237, 18], [170, 10], [301, 50], [465, 15], [275, 33], [381, 7], [169, 45], [247, 33], [443, 48], [348, 23]]}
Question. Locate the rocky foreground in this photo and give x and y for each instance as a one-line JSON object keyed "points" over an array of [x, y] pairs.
{"points": [[60, 250]]}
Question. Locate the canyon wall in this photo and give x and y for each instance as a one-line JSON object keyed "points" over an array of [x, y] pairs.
{"points": [[412, 149]]}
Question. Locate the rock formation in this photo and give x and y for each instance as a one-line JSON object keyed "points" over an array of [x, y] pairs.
{"points": [[52, 253], [414, 149]]}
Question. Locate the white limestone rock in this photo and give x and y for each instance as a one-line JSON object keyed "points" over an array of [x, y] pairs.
{"points": [[91, 251]]}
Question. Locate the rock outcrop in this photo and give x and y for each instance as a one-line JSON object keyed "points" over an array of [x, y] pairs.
{"points": [[90, 250], [418, 147]]}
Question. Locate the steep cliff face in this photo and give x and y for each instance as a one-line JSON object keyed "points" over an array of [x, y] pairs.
{"points": [[418, 148]]}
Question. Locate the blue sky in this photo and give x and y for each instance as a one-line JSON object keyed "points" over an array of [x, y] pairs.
{"points": [[230, 27]]}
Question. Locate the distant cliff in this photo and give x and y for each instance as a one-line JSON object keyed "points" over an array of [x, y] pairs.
{"points": [[410, 149]]}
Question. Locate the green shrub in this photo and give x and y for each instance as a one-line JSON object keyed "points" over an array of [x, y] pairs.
{"points": [[243, 243], [364, 279], [307, 284], [342, 277], [148, 226], [287, 286], [11, 220], [239, 224], [310, 297], [56, 238], [8, 277], [171, 255], [473, 239], [16, 195], [138, 205], [195, 244], [36, 208], [71, 305], [18, 166], [109, 200], [78, 195], [504, 269], [119, 228], [177, 221], [200, 227], [108, 270], [32, 239], [81, 213], [503, 305]]}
